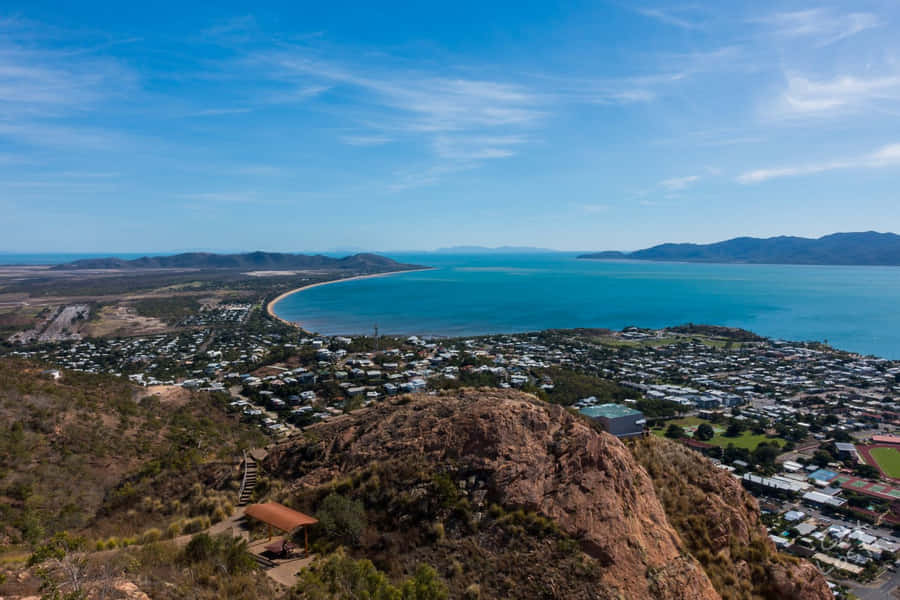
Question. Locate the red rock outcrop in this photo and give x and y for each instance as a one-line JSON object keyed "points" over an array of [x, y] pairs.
{"points": [[719, 522], [534, 456]]}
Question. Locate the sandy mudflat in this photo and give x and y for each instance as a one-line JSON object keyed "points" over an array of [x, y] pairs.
{"points": [[270, 307]]}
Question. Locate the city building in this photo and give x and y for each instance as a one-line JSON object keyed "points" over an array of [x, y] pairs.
{"points": [[621, 421]]}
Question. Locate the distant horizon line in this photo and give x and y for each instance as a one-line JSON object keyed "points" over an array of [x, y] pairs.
{"points": [[512, 249]]}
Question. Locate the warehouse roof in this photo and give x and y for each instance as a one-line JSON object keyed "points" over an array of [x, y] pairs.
{"points": [[610, 411]]}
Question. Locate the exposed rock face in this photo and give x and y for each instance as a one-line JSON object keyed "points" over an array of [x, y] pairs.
{"points": [[801, 581], [530, 455], [719, 523]]}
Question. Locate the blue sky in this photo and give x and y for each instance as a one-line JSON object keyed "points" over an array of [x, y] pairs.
{"points": [[133, 127]]}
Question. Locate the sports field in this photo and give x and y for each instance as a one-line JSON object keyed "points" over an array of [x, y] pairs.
{"points": [[888, 459]]}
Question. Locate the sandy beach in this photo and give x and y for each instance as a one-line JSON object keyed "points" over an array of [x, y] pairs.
{"points": [[270, 307]]}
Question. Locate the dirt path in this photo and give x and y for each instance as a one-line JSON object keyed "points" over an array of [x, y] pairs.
{"points": [[231, 523]]}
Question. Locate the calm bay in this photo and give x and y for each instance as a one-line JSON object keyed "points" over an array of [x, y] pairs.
{"points": [[853, 308]]}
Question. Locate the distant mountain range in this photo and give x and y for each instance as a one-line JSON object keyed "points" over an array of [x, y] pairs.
{"points": [[489, 250], [864, 248], [251, 260]]}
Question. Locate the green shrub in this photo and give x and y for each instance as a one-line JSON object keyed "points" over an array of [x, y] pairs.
{"points": [[151, 535], [341, 518], [219, 515], [223, 551], [174, 529], [196, 524], [338, 576]]}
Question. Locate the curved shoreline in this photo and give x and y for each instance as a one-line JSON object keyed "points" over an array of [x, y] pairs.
{"points": [[270, 306]]}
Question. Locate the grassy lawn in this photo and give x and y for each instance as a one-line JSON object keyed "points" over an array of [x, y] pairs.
{"points": [[747, 439], [620, 343], [888, 459]]}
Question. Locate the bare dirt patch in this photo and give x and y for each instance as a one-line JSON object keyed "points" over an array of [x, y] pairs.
{"points": [[169, 395], [123, 320]]}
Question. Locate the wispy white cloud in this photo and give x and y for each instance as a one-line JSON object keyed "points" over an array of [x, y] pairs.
{"points": [[297, 94], [428, 103], [886, 156], [54, 83], [49, 133], [232, 29], [476, 147], [43, 89], [846, 93], [673, 71], [425, 176], [260, 170], [679, 183], [90, 174], [668, 17], [821, 24], [366, 140], [594, 209], [230, 197], [218, 112], [461, 120], [636, 89]]}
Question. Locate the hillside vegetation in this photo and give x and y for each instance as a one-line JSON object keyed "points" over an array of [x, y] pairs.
{"points": [[864, 248], [718, 522], [89, 453], [251, 260]]}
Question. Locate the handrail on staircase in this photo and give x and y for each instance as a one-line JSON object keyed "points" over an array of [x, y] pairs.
{"points": [[244, 481]]}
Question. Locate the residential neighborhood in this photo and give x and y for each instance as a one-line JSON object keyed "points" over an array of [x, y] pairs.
{"points": [[810, 431]]}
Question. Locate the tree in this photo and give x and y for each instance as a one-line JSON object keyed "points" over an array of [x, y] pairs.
{"points": [[733, 453], [341, 518], [223, 551], [766, 453], [866, 471], [822, 457], [675, 431], [340, 577], [735, 429], [704, 432], [424, 585]]}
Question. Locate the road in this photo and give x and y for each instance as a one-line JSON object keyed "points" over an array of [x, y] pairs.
{"points": [[882, 589]]}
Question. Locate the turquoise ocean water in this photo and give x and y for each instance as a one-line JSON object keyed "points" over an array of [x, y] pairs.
{"points": [[853, 308]]}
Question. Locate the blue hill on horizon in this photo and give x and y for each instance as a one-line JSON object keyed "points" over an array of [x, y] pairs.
{"points": [[860, 248]]}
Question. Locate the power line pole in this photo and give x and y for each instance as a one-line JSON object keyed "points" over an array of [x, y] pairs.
{"points": [[376, 337]]}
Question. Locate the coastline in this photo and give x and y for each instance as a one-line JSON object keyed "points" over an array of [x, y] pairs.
{"points": [[270, 306]]}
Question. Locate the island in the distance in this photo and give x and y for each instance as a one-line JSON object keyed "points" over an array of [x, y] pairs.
{"points": [[863, 248], [250, 260]]}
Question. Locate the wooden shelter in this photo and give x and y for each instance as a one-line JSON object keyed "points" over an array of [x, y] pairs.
{"points": [[283, 518]]}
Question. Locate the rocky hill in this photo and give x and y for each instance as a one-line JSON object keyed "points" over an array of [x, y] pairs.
{"points": [[719, 524], [526, 500], [251, 260]]}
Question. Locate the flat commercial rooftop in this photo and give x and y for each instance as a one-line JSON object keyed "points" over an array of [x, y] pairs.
{"points": [[823, 475], [609, 411]]}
